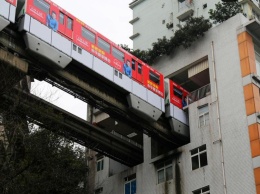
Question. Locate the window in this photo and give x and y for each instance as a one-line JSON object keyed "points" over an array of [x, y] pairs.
{"points": [[199, 157], [139, 68], [155, 78], [99, 190], [61, 18], [74, 47], [257, 57], [164, 171], [177, 93], [130, 184], [118, 54], [69, 23], [42, 5], [133, 65], [100, 164], [88, 35], [203, 115], [104, 45], [204, 190]]}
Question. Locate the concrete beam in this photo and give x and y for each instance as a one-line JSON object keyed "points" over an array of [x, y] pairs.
{"points": [[12, 70]]}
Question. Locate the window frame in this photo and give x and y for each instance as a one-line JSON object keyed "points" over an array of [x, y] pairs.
{"points": [[101, 166], [200, 190], [204, 115], [198, 155], [152, 74], [88, 33], [101, 43], [116, 53], [44, 3], [162, 167]]}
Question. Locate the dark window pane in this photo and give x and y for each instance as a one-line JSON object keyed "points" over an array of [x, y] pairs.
{"points": [[133, 187], [195, 162], [197, 192], [203, 159], [103, 45], [139, 68], [169, 174], [154, 77], [161, 176], [133, 64], [177, 93], [127, 188], [202, 148], [205, 189], [88, 35], [194, 151], [42, 5]]}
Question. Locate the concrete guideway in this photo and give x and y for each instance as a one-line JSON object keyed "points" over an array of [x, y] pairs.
{"points": [[62, 122]]}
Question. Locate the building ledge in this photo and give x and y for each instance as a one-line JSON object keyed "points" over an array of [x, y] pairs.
{"points": [[184, 14], [134, 20], [134, 36], [135, 3]]}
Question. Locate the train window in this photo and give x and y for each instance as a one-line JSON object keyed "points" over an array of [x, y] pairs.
{"points": [[74, 47], [118, 54], [139, 68], [104, 45], [88, 35], [155, 78], [133, 65], [42, 5], [79, 50], [61, 18], [177, 93], [69, 23]]}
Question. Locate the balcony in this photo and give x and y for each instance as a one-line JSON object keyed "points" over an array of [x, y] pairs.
{"points": [[199, 94], [186, 9]]}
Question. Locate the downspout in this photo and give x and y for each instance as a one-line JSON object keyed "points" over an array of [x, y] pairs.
{"points": [[218, 120]]}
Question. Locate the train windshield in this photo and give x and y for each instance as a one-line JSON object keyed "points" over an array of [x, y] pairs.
{"points": [[177, 93], [155, 78], [42, 5]]}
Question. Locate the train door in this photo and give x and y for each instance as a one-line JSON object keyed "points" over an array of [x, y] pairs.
{"points": [[65, 25], [137, 71]]}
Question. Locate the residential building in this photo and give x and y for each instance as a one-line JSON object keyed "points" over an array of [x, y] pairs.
{"points": [[224, 149], [155, 19]]}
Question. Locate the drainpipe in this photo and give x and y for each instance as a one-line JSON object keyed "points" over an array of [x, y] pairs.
{"points": [[218, 120]]}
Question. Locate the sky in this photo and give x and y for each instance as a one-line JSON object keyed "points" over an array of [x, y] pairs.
{"points": [[111, 19]]}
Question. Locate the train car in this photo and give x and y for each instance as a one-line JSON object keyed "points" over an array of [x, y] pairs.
{"points": [[176, 101], [57, 36], [7, 12]]}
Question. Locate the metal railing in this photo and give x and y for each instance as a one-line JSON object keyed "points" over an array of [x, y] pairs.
{"points": [[199, 94]]}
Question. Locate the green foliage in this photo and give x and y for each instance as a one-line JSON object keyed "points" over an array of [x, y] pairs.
{"points": [[51, 164], [224, 11], [193, 29]]}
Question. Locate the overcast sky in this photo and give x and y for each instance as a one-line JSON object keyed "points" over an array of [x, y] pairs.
{"points": [[110, 18]]}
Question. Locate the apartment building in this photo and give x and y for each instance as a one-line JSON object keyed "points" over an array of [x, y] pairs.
{"points": [[155, 19], [222, 73]]}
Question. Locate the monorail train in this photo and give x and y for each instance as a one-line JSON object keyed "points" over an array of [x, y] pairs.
{"points": [[52, 33]]}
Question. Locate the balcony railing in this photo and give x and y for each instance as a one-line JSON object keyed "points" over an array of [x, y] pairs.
{"points": [[199, 94]]}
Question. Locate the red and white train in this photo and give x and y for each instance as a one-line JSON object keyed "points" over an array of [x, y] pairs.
{"points": [[52, 33]]}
